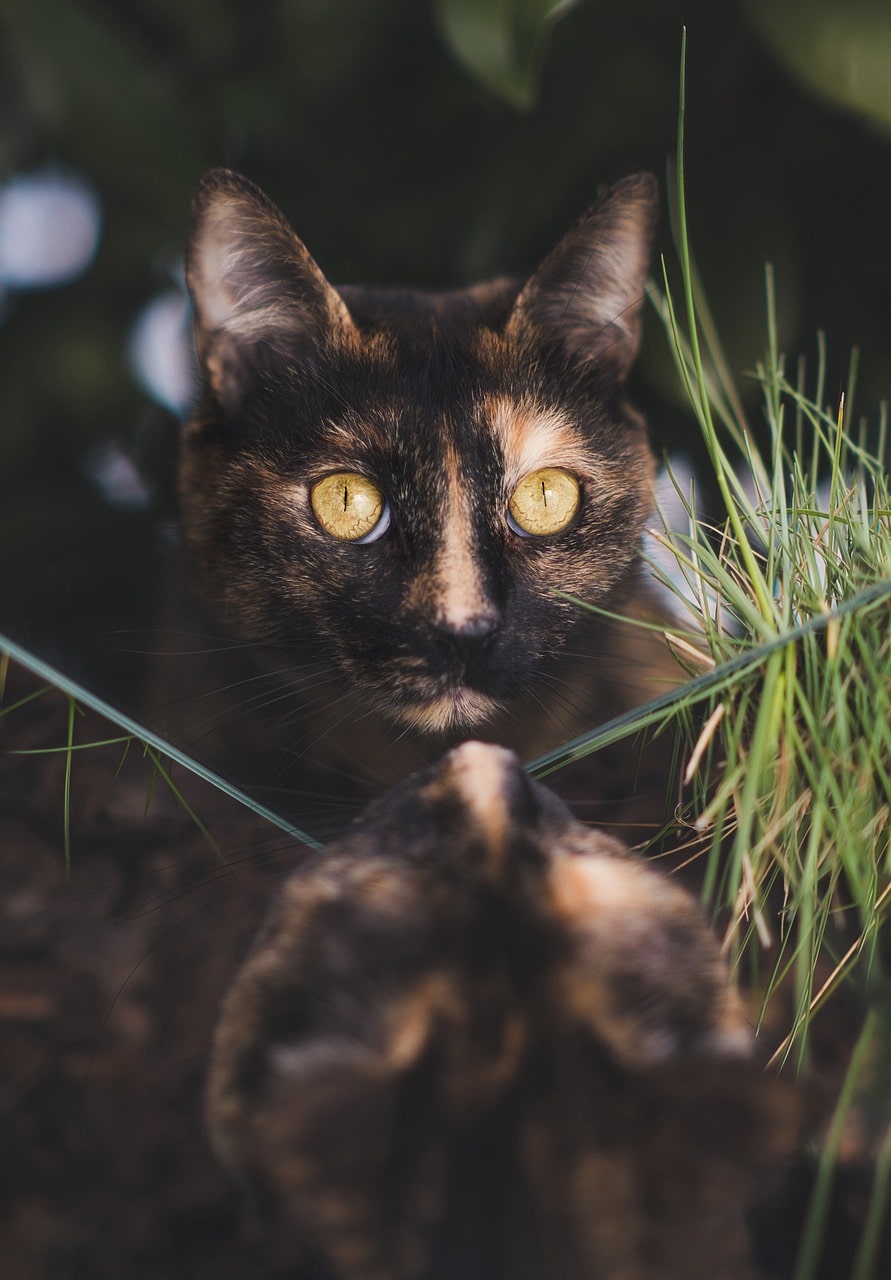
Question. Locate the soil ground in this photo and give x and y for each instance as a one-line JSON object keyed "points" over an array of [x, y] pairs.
{"points": [[110, 978], [109, 982]]}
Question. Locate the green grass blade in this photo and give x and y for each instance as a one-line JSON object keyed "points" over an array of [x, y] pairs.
{"points": [[131, 727], [815, 1221], [72, 709]]}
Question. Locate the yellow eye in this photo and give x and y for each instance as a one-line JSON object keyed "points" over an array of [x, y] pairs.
{"points": [[544, 502], [350, 507]]}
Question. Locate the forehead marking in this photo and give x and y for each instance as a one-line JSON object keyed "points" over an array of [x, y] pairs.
{"points": [[531, 436], [461, 596]]}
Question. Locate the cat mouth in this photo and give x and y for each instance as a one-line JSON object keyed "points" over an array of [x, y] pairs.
{"points": [[460, 708]]}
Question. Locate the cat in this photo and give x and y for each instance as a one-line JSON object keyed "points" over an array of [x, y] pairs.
{"points": [[477, 1038], [393, 493]]}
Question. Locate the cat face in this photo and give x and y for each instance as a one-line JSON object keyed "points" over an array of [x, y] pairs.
{"points": [[477, 1038], [403, 482]]}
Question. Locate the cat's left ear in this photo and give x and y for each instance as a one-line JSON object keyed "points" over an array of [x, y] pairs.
{"points": [[586, 296], [259, 297]]}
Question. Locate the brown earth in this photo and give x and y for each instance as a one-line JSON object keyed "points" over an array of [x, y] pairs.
{"points": [[109, 982], [110, 977]]}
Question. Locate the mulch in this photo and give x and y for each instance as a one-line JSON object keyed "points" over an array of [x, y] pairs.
{"points": [[111, 972], [110, 977]]}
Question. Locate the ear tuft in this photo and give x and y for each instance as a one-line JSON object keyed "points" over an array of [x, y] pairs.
{"points": [[586, 296], [257, 293]]}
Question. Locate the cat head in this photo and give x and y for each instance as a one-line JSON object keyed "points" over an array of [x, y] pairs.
{"points": [[477, 1038], [406, 482]]}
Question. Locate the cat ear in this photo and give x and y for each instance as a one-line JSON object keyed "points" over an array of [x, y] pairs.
{"points": [[586, 296], [258, 296]]}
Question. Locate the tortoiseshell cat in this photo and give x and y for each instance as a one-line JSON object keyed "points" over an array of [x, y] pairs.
{"points": [[394, 487], [478, 1039]]}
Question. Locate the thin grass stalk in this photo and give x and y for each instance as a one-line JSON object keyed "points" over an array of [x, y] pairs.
{"points": [[66, 798], [815, 1221], [83, 697], [864, 1267], [181, 800], [716, 453]]}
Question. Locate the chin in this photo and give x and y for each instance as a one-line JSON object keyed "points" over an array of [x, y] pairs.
{"points": [[461, 708]]}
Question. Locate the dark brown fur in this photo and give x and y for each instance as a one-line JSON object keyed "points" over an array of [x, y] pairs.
{"points": [[477, 1039], [443, 400]]}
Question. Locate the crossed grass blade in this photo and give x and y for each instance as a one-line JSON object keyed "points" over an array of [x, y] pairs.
{"points": [[162, 754]]}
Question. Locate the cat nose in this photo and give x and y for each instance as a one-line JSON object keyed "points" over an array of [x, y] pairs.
{"points": [[469, 639]]}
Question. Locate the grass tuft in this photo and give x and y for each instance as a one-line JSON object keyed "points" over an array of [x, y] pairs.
{"points": [[783, 599], [792, 776]]}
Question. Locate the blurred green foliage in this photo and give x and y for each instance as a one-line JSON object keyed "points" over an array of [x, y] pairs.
{"points": [[839, 49], [501, 42], [434, 142]]}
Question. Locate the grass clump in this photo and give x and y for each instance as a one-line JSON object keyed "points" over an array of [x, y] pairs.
{"points": [[783, 600], [790, 777], [784, 604], [795, 791]]}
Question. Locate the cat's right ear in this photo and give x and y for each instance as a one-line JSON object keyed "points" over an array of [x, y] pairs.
{"points": [[258, 296], [586, 297]]}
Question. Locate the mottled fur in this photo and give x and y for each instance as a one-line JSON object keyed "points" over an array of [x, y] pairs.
{"points": [[477, 1039], [445, 401]]}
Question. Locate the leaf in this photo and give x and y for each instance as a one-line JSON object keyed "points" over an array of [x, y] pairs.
{"points": [[501, 42], [838, 49]]}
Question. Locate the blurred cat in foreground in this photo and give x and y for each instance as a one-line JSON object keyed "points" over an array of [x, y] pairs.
{"points": [[478, 1039]]}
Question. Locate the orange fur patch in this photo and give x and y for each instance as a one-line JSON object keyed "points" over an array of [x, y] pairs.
{"points": [[460, 591], [531, 437]]}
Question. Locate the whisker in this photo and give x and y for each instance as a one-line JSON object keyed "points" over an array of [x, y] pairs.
{"points": [[220, 643]]}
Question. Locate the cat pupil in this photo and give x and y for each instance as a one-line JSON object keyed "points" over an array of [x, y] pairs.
{"points": [[544, 493], [346, 493]]}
